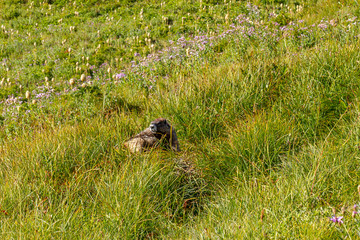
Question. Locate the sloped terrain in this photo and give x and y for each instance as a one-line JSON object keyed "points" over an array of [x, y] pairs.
{"points": [[264, 96]]}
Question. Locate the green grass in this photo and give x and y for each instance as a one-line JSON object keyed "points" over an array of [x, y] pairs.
{"points": [[263, 95]]}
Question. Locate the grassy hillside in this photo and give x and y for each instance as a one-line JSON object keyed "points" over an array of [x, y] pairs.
{"points": [[264, 96]]}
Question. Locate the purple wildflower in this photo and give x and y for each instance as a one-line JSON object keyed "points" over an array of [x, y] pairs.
{"points": [[355, 212], [120, 75], [322, 26], [337, 219]]}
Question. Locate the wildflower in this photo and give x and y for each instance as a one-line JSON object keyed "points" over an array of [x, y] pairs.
{"points": [[120, 75], [83, 85], [354, 212], [109, 70], [27, 94], [333, 22], [337, 219], [141, 14], [299, 8], [72, 81], [322, 26], [83, 77], [33, 101]]}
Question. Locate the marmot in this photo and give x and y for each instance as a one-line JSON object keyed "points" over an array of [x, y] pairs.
{"points": [[159, 129]]}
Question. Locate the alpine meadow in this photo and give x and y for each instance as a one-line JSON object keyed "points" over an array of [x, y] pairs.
{"points": [[264, 96]]}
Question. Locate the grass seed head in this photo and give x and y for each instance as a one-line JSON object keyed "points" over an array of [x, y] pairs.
{"points": [[27, 95]]}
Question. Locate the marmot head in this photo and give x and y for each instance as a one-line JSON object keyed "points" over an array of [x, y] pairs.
{"points": [[160, 126]]}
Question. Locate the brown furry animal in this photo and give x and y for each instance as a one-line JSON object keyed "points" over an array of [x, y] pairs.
{"points": [[159, 129]]}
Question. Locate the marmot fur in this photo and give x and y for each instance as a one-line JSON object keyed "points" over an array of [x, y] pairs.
{"points": [[159, 129]]}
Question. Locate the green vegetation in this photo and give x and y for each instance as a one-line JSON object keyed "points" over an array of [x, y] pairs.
{"points": [[264, 97]]}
